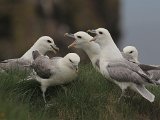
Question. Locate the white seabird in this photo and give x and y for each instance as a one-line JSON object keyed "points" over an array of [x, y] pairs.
{"points": [[122, 72], [133, 52], [43, 44], [130, 53], [82, 41], [55, 71]]}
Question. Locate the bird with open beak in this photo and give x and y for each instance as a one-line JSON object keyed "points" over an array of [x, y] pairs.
{"points": [[82, 41], [71, 36]]}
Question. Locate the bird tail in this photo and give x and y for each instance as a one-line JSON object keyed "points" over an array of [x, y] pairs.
{"points": [[145, 93]]}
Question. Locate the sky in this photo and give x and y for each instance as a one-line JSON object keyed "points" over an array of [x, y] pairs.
{"points": [[140, 22]]}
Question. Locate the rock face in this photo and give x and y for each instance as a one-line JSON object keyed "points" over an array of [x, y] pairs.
{"points": [[24, 21]]}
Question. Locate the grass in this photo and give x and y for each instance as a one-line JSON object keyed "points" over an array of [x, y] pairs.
{"points": [[89, 97]]}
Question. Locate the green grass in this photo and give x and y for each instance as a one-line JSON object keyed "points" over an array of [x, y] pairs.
{"points": [[89, 97]]}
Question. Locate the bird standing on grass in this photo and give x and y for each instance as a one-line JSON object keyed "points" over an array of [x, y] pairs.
{"points": [[117, 69], [43, 44], [58, 71]]}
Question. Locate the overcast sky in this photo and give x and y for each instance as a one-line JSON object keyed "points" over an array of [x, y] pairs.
{"points": [[141, 27]]}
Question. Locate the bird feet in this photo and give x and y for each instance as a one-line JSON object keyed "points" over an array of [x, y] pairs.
{"points": [[122, 95]]}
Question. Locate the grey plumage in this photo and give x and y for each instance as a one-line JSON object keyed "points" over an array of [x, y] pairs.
{"points": [[144, 92], [18, 63], [155, 74], [153, 70], [127, 72], [54, 71], [43, 67], [119, 70]]}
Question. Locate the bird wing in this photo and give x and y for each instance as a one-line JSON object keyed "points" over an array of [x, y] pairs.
{"points": [[155, 74], [123, 72], [145, 67], [44, 67], [14, 63]]}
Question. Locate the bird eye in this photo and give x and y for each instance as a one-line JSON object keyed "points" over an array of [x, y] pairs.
{"points": [[49, 41], [70, 60], [79, 37], [131, 52], [100, 32]]}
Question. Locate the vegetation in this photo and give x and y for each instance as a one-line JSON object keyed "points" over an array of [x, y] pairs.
{"points": [[89, 97]]}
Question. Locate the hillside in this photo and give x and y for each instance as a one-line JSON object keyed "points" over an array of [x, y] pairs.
{"points": [[89, 97]]}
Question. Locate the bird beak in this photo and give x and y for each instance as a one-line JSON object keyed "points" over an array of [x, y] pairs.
{"points": [[69, 35], [92, 31], [93, 39], [55, 49], [76, 68], [72, 45]]}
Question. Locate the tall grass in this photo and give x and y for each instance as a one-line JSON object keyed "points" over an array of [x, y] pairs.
{"points": [[89, 97]]}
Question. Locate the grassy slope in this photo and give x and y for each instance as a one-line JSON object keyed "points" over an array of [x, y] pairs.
{"points": [[89, 97]]}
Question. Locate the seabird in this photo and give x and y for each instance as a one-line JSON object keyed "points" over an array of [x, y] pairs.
{"points": [[133, 52], [55, 71], [43, 44], [82, 41], [119, 70]]}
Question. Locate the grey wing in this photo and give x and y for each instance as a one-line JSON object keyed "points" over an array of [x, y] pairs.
{"points": [[17, 60], [10, 61], [43, 67], [122, 73], [44, 73], [136, 68], [14, 64], [155, 74], [145, 67]]}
